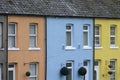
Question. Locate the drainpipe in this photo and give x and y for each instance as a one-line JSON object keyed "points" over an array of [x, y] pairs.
{"points": [[6, 49], [45, 47], [93, 45]]}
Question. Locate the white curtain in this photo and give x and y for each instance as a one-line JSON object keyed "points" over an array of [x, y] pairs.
{"points": [[11, 35], [33, 71], [32, 35]]}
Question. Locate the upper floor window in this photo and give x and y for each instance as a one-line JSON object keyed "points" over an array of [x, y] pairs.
{"points": [[97, 36], [69, 34], [85, 35], [33, 71], [33, 35], [1, 35], [11, 35], [113, 36], [69, 65]]}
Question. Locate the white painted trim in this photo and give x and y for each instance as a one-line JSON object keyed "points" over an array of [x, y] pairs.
{"points": [[70, 48], [33, 48], [13, 49], [87, 47], [98, 47], [114, 47]]}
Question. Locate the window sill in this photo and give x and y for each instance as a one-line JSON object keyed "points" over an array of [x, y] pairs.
{"points": [[14, 49], [1, 48], [114, 47], [98, 47], [33, 48], [70, 48], [87, 47]]}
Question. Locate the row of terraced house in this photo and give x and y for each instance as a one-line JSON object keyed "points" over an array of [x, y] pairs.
{"points": [[59, 39]]}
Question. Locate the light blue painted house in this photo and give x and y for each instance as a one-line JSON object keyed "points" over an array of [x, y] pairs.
{"points": [[69, 48]]}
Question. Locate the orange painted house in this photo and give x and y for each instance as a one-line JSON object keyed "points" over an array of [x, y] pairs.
{"points": [[26, 48]]}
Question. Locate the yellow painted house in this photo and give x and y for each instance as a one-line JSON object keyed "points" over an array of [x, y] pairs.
{"points": [[26, 48], [107, 49]]}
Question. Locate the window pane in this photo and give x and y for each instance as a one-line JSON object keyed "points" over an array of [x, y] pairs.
{"points": [[32, 41], [85, 28], [113, 65], [112, 30], [11, 29], [32, 29], [85, 63], [96, 30], [32, 35], [68, 38], [97, 43], [112, 40], [11, 75], [112, 76], [96, 63], [69, 76], [69, 66], [33, 78], [68, 27], [33, 69], [11, 41], [85, 37]]}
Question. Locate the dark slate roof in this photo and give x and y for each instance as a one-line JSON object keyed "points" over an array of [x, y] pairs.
{"points": [[73, 8]]}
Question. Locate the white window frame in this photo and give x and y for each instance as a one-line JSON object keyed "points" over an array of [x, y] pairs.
{"points": [[12, 69], [12, 35], [113, 36], [97, 36], [86, 31], [70, 67], [69, 47], [1, 36], [113, 75], [36, 75], [33, 35]]}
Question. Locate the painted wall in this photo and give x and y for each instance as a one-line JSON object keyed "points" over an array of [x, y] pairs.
{"points": [[57, 55], [24, 56], [105, 53], [3, 50]]}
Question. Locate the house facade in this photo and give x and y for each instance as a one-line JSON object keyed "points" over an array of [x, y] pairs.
{"points": [[107, 49], [3, 47], [69, 45], [26, 53]]}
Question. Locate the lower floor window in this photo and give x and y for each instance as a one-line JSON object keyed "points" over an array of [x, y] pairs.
{"points": [[69, 65], [113, 69], [11, 73], [33, 71]]}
